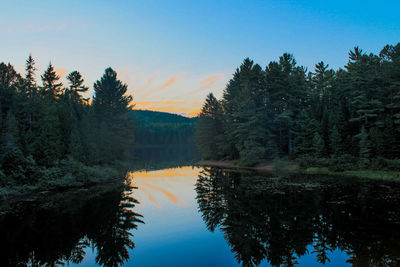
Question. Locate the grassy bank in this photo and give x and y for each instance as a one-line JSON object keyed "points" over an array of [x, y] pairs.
{"points": [[293, 167], [386, 175]]}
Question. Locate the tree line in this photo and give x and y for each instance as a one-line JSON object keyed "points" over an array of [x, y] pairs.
{"points": [[343, 118], [50, 130]]}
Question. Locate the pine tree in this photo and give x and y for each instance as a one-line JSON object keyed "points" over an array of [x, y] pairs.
{"points": [[209, 128], [51, 87], [30, 77], [8, 86], [304, 130], [76, 86], [318, 145], [364, 144], [114, 115], [110, 100], [335, 141]]}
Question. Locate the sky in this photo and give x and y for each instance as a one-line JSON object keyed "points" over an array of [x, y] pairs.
{"points": [[173, 53]]}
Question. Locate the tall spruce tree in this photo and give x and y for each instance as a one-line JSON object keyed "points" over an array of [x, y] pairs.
{"points": [[30, 77], [209, 132], [114, 115]]}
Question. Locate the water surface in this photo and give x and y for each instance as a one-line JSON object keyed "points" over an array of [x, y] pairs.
{"points": [[189, 216]]}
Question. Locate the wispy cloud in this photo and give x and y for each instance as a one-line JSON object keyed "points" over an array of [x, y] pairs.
{"points": [[151, 79], [209, 81], [171, 80]]}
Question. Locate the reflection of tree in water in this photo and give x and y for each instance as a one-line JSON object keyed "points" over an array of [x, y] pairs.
{"points": [[59, 231], [277, 219], [114, 240]]}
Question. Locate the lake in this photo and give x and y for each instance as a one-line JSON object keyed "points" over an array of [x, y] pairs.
{"points": [[198, 216]]}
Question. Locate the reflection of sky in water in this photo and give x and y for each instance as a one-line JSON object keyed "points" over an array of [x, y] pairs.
{"points": [[174, 233]]}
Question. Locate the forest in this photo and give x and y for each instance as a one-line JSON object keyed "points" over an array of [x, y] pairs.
{"points": [[51, 136], [339, 119], [157, 129]]}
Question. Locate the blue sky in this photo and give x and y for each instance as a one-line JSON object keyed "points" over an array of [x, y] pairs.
{"points": [[172, 53]]}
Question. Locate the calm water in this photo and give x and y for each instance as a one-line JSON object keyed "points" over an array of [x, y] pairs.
{"points": [[189, 216]]}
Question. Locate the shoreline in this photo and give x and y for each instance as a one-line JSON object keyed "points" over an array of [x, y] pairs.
{"points": [[268, 166], [293, 167], [15, 193]]}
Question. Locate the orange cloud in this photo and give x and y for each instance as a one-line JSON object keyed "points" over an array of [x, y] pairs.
{"points": [[149, 82], [209, 81], [151, 79], [171, 80]]}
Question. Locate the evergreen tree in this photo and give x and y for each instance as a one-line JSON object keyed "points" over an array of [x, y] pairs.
{"points": [[114, 116], [318, 145], [76, 86], [335, 141], [51, 87], [30, 77], [209, 128], [364, 144], [304, 131], [110, 100]]}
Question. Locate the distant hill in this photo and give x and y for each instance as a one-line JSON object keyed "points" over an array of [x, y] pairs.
{"points": [[146, 117], [156, 129]]}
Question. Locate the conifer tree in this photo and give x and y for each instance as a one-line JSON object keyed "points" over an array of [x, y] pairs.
{"points": [[30, 77], [114, 115], [335, 141], [76, 86], [209, 128], [110, 99], [51, 87], [364, 144], [318, 145]]}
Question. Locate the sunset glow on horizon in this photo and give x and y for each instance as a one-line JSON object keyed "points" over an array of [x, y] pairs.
{"points": [[173, 54]]}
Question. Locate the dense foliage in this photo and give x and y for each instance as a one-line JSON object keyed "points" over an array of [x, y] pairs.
{"points": [[325, 117], [50, 131]]}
